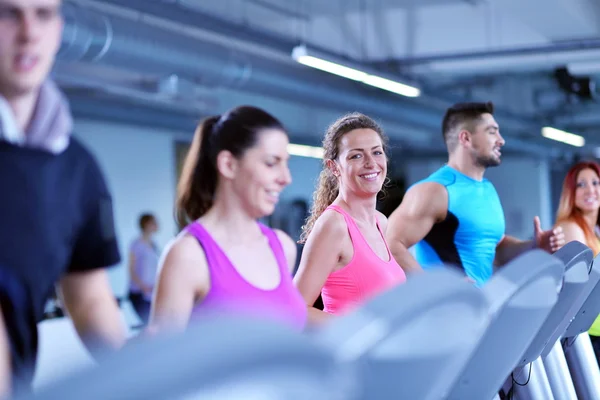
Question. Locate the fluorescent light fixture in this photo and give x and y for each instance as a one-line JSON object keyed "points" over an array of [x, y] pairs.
{"points": [[584, 67], [310, 59], [305, 151], [332, 68], [562, 136], [392, 86]]}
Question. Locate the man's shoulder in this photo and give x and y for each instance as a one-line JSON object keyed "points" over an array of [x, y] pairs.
{"points": [[80, 157], [443, 176], [435, 184]]}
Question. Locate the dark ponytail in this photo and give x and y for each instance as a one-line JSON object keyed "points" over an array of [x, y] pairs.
{"points": [[198, 181]]}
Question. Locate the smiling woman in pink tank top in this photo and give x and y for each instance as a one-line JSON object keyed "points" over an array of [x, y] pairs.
{"points": [[224, 260], [346, 258]]}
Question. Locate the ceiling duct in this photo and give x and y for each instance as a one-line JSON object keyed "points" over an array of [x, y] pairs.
{"points": [[135, 41], [492, 62]]}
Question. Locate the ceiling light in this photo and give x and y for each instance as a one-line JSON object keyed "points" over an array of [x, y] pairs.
{"points": [[332, 68], [584, 68], [305, 151], [356, 73], [562, 136]]}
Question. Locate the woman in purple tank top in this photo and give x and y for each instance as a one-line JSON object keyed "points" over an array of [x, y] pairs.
{"points": [[224, 260]]}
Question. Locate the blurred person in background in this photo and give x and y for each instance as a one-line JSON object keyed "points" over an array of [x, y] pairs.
{"points": [[577, 215], [143, 265]]}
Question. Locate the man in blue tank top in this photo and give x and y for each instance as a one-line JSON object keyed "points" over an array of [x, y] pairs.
{"points": [[454, 216]]}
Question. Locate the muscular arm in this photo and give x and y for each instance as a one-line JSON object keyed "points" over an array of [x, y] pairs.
{"points": [[89, 301], [320, 257], [423, 205], [182, 279]]}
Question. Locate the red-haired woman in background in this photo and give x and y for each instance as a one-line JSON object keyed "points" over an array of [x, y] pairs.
{"points": [[578, 216]]}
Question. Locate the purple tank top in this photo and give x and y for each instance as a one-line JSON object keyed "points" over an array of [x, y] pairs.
{"points": [[231, 293]]}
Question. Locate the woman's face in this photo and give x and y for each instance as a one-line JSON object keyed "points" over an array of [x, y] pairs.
{"points": [[361, 166], [587, 192], [262, 173]]}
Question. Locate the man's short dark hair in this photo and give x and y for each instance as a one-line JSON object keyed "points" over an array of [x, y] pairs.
{"points": [[145, 219], [460, 114]]}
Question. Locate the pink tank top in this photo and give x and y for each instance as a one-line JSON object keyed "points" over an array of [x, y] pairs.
{"points": [[365, 276], [230, 293]]}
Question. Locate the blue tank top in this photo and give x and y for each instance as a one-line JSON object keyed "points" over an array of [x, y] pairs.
{"points": [[473, 227]]}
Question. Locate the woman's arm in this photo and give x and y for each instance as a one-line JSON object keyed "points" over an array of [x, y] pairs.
{"points": [[320, 257], [573, 232], [182, 279]]}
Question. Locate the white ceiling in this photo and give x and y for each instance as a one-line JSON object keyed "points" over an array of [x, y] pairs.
{"points": [[397, 29], [421, 38]]}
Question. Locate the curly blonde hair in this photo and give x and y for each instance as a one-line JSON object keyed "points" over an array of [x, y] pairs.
{"points": [[327, 187]]}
